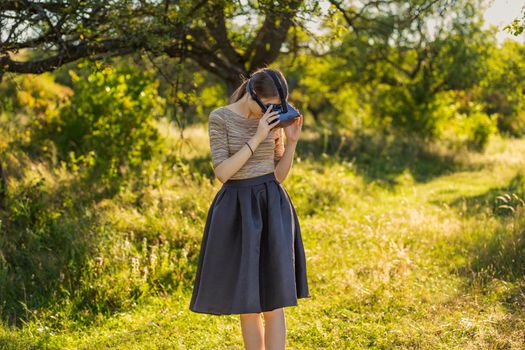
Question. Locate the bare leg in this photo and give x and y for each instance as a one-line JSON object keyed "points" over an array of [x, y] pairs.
{"points": [[252, 331], [275, 329]]}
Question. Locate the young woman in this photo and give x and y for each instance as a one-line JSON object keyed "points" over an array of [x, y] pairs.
{"points": [[252, 258]]}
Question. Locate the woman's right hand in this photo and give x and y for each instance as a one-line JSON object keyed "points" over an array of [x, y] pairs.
{"points": [[270, 117]]}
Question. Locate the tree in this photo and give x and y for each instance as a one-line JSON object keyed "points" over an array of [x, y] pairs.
{"points": [[404, 54], [57, 32], [518, 25]]}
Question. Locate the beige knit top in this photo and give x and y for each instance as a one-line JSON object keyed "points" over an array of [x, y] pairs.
{"points": [[228, 131]]}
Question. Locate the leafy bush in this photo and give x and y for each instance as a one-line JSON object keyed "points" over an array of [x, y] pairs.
{"points": [[32, 94], [503, 89], [108, 127], [463, 122], [27, 103]]}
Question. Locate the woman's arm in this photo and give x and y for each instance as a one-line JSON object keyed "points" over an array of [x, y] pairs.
{"points": [[231, 165], [223, 165], [293, 132], [285, 163]]}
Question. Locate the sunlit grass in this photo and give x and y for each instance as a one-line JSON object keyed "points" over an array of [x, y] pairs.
{"points": [[405, 264]]}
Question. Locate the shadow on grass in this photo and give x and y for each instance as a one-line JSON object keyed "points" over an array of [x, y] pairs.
{"points": [[50, 249], [497, 264], [383, 158], [500, 201], [47, 238], [51, 235], [496, 253], [378, 158]]}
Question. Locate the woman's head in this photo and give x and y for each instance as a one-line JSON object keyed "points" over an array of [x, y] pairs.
{"points": [[264, 87]]}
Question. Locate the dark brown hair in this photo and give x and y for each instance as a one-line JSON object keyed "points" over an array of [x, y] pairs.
{"points": [[262, 84]]}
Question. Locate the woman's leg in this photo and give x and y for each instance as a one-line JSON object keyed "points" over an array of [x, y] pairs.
{"points": [[252, 331], [275, 329]]}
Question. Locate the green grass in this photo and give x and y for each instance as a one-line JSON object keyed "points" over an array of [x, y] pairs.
{"points": [[401, 254]]}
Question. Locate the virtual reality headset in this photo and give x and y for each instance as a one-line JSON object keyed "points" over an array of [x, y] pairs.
{"points": [[287, 113]]}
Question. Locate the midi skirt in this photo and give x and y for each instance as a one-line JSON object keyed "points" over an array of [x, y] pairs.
{"points": [[251, 256]]}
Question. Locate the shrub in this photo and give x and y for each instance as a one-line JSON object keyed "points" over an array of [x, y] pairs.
{"points": [[462, 123], [108, 127]]}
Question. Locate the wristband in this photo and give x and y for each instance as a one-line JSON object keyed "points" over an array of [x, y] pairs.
{"points": [[249, 146]]}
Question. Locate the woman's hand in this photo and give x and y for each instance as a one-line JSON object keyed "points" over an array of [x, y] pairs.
{"points": [[293, 131], [264, 128]]}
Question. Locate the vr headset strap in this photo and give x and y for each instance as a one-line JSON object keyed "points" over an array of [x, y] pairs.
{"points": [[278, 85], [249, 87]]}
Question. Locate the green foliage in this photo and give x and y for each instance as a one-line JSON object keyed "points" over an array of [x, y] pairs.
{"points": [[398, 108], [411, 105], [390, 78], [44, 243], [463, 54], [517, 26], [503, 88], [27, 103], [107, 128], [462, 122], [383, 257], [325, 90], [479, 128], [68, 254], [37, 95], [63, 247]]}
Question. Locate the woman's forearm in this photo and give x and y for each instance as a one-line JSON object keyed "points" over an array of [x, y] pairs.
{"points": [[285, 163], [230, 166]]}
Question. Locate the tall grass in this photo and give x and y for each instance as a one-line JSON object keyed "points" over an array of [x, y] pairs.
{"points": [[407, 247]]}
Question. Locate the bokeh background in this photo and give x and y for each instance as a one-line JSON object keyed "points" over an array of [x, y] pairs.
{"points": [[408, 179]]}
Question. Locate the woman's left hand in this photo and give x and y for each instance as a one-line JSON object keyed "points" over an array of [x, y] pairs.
{"points": [[293, 131]]}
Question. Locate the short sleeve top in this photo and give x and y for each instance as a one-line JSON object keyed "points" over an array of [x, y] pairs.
{"points": [[228, 131]]}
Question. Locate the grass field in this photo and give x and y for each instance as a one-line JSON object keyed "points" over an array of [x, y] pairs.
{"points": [[404, 250]]}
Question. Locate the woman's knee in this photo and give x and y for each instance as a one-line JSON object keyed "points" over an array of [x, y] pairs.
{"points": [[250, 315], [274, 312]]}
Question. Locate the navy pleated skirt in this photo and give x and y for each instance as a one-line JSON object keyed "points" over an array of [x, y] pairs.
{"points": [[251, 257]]}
